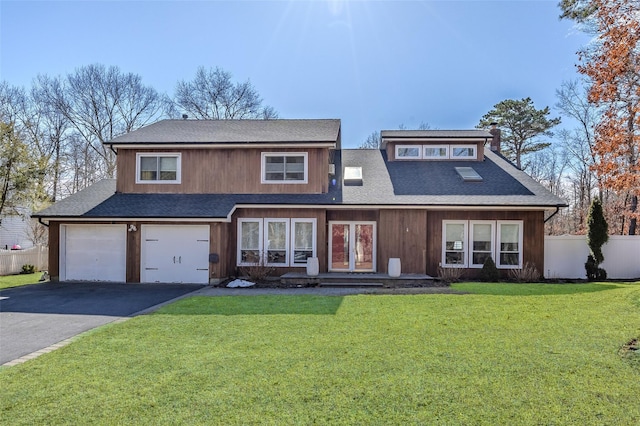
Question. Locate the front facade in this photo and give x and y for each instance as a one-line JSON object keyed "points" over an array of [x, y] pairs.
{"points": [[197, 200]]}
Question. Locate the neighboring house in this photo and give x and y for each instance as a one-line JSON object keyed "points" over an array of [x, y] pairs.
{"points": [[15, 229], [194, 200]]}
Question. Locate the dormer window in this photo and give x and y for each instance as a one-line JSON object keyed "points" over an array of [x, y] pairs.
{"points": [[278, 167], [463, 152], [436, 152], [408, 152], [158, 167]]}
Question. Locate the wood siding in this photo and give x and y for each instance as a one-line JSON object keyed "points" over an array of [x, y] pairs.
{"points": [[403, 234], [532, 238], [223, 171], [54, 251]]}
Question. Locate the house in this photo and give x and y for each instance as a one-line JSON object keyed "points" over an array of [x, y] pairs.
{"points": [[194, 200]]}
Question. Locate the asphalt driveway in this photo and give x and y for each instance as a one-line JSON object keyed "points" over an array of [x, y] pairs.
{"points": [[34, 317]]}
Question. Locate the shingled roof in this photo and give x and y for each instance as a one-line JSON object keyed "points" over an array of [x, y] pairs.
{"points": [[384, 183], [233, 131]]}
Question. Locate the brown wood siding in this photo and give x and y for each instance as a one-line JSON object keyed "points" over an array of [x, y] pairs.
{"points": [[321, 233], [54, 251], [219, 244], [133, 254], [223, 171], [403, 234], [532, 238]]}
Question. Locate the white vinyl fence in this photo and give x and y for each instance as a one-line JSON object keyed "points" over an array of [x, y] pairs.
{"points": [[11, 261], [565, 256]]}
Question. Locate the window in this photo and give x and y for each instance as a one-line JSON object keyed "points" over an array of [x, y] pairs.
{"points": [[250, 241], [509, 244], [284, 167], [463, 151], [454, 242], [303, 240], [501, 240], [158, 168], [276, 241], [408, 152], [435, 151], [268, 241], [481, 243]]}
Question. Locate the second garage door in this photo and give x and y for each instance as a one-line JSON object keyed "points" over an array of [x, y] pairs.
{"points": [[175, 254], [93, 252]]}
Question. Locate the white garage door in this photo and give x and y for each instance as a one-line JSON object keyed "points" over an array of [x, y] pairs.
{"points": [[93, 253], [175, 254]]}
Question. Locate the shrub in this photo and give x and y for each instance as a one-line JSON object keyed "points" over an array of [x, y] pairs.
{"points": [[528, 274], [28, 269], [450, 275], [489, 271], [257, 271]]}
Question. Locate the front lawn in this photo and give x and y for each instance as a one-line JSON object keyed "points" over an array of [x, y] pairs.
{"points": [[520, 355], [7, 281]]}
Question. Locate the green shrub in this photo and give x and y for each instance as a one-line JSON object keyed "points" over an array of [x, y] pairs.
{"points": [[489, 271], [28, 269]]}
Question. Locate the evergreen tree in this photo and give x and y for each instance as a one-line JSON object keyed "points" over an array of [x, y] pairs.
{"points": [[597, 236]]}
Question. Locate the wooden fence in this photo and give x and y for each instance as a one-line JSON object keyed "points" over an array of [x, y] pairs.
{"points": [[11, 261], [565, 256]]}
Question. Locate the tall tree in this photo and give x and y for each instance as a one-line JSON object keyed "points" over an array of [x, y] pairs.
{"points": [[18, 170], [613, 68], [522, 126], [101, 103], [213, 95]]}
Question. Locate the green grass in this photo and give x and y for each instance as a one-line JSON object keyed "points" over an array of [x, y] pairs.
{"points": [[7, 281], [524, 354]]}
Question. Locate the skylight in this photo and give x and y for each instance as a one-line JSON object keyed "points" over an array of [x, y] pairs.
{"points": [[352, 176], [468, 174]]}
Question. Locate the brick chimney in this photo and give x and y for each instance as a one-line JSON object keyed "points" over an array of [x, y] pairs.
{"points": [[495, 142]]}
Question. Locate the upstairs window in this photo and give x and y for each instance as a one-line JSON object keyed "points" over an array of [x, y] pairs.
{"points": [[158, 168], [408, 152], [436, 151], [463, 152], [284, 167]]}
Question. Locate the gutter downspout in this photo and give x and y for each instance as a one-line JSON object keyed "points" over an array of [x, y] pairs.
{"points": [[552, 215], [42, 223], [111, 148]]}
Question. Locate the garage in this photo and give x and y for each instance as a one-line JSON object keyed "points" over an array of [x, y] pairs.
{"points": [[93, 253], [174, 254]]}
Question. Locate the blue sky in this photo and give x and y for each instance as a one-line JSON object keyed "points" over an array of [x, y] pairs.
{"points": [[373, 64]]}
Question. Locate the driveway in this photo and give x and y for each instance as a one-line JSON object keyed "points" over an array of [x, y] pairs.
{"points": [[36, 316]]}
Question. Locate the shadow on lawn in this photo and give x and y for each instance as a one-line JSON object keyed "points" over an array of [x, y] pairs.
{"points": [[509, 289], [254, 305]]}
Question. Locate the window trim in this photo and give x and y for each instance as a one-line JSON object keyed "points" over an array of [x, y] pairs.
{"points": [[265, 241], [465, 245], [177, 155], [495, 243], [409, 157], [432, 157], [263, 168], [474, 156], [263, 230], [498, 250], [492, 250], [314, 243]]}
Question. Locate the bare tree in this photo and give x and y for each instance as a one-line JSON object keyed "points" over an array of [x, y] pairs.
{"points": [[373, 141], [102, 103], [213, 95]]}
